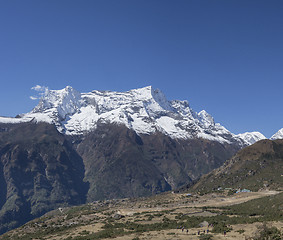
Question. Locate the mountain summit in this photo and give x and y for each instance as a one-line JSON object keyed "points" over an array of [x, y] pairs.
{"points": [[278, 135], [144, 110]]}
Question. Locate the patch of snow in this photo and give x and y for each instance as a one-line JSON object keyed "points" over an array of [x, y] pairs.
{"points": [[11, 120]]}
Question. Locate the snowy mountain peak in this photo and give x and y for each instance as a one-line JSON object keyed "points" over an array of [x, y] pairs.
{"points": [[56, 105], [278, 135], [145, 110], [144, 93], [150, 96], [58, 98], [251, 137], [206, 119]]}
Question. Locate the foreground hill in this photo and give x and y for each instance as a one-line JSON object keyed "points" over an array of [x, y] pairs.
{"points": [[164, 216], [258, 166]]}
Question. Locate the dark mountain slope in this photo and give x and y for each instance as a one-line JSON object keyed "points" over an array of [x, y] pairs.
{"points": [[119, 163], [257, 166], [116, 165], [39, 171]]}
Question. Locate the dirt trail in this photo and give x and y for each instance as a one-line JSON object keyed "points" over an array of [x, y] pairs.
{"points": [[210, 200], [236, 199]]}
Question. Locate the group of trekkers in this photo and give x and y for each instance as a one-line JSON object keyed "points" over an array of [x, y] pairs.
{"points": [[187, 231], [199, 231]]}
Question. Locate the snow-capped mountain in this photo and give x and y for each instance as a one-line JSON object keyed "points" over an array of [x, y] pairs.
{"points": [[278, 135], [144, 110], [251, 137], [120, 149]]}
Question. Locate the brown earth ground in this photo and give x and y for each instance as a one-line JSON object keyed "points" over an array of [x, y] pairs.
{"points": [[249, 230], [169, 204]]}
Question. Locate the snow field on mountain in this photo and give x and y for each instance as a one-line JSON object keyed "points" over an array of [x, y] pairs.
{"points": [[144, 110]]}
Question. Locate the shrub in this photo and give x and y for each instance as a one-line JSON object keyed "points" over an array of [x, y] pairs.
{"points": [[269, 233], [205, 237], [241, 231], [220, 227]]}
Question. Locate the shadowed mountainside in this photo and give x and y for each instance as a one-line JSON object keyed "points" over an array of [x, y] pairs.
{"points": [[39, 171], [119, 163], [42, 169]]}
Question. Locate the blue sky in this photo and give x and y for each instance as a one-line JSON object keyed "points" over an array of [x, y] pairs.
{"points": [[222, 56]]}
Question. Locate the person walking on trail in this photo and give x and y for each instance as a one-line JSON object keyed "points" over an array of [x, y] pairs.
{"points": [[224, 233]]}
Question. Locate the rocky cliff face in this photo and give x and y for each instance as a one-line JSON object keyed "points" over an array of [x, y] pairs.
{"points": [[120, 163], [39, 171]]}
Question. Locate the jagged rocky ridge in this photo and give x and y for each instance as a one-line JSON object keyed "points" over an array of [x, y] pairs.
{"points": [[144, 110]]}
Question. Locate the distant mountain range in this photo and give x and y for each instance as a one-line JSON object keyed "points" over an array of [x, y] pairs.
{"points": [[143, 110], [74, 148]]}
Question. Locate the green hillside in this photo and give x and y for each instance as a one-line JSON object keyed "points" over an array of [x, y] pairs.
{"points": [[256, 167]]}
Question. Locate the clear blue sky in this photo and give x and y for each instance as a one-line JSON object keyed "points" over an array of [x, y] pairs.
{"points": [[224, 56]]}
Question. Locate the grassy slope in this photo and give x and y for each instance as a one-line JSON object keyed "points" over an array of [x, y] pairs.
{"points": [[98, 221], [254, 167]]}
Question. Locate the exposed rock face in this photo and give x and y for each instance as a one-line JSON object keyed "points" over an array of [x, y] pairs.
{"points": [[120, 163], [39, 171]]}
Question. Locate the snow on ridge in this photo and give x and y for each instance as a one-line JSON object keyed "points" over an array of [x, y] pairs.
{"points": [[206, 119], [278, 135], [64, 102], [145, 110], [251, 137], [12, 120]]}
